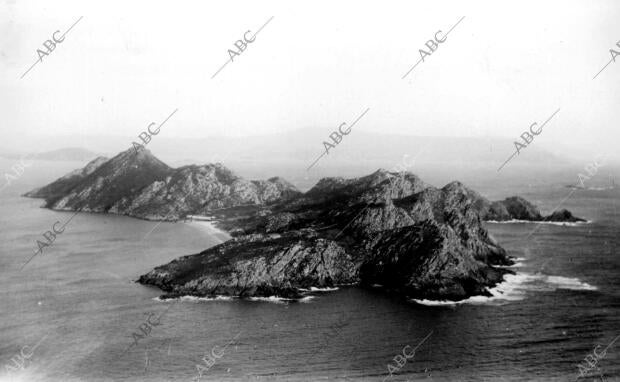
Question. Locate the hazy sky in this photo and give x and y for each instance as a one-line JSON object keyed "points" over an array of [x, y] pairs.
{"points": [[316, 64]]}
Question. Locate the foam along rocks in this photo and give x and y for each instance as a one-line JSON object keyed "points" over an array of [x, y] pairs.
{"points": [[272, 299], [563, 224], [319, 290], [515, 288]]}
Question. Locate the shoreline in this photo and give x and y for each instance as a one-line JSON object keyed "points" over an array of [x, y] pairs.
{"points": [[210, 228], [557, 223]]}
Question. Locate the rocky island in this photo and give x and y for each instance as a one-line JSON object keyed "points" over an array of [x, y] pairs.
{"points": [[138, 184], [387, 228]]}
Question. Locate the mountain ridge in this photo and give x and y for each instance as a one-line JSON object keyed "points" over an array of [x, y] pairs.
{"points": [[138, 184]]}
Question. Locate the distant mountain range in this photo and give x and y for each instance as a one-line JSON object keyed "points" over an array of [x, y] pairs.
{"points": [[289, 153], [385, 228], [360, 152], [66, 154]]}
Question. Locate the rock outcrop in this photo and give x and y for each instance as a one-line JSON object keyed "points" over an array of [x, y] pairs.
{"points": [[563, 215], [517, 208]]}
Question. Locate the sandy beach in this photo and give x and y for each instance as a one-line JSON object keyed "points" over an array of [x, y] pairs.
{"points": [[209, 226]]}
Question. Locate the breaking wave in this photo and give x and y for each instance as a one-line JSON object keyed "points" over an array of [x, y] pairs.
{"points": [[197, 299], [517, 221], [518, 263], [315, 289], [272, 299], [281, 300], [515, 288]]}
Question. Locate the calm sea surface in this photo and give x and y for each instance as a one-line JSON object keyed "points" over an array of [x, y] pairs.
{"points": [[78, 301]]}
